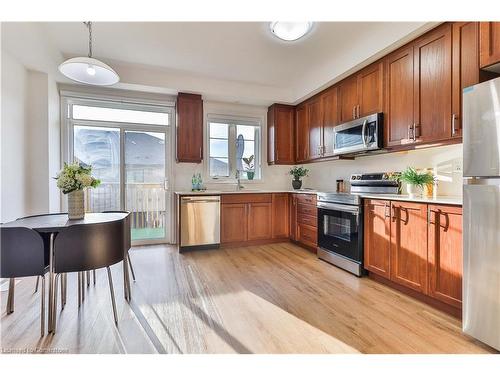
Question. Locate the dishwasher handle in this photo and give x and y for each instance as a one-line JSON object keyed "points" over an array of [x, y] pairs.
{"points": [[203, 199]]}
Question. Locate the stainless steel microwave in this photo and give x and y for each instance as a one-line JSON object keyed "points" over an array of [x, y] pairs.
{"points": [[359, 135]]}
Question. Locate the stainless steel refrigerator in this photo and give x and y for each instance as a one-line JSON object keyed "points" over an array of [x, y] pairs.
{"points": [[481, 210]]}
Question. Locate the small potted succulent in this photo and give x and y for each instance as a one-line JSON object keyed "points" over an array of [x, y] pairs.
{"points": [[415, 180], [72, 180], [298, 173], [249, 166]]}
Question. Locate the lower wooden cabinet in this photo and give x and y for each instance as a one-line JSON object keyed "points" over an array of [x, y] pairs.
{"points": [[234, 222], [377, 237], [307, 235], [259, 221], [416, 245], [445, 254], [304, 220], [280, 221]]}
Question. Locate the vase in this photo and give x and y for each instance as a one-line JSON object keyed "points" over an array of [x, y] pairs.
{"points": [[297, 184], [414, 190], [250, 175], [76, 209]]}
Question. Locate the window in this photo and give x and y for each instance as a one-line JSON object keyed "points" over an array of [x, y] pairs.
{"points": [[233, 146]]}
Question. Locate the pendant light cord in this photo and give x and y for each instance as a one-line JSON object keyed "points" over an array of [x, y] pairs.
{"points": [[89, 26]]}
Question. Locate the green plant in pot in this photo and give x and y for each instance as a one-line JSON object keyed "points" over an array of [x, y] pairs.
{"points": [[249, 166], [298, 173], [415, 180]]}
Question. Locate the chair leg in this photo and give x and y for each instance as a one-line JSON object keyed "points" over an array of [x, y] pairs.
{"points": [[83, 285], [54, 303], [93, 274], [79, 282], [130, 265], [10, 297], [88, 279], [65, 288], [36, 286], [110, 279], [42, 313]]}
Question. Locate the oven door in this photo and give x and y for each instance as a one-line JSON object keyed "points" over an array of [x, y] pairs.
{"points": [[359, 135], [340, 230]]}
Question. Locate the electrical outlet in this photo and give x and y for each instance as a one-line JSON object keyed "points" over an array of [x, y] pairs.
{"points": [[457, 166]]}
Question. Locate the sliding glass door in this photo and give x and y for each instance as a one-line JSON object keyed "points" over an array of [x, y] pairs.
{"points": [[131, 159]]}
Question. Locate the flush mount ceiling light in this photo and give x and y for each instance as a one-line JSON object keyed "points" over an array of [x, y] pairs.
{"points": [[87, 69], [290, 31]]}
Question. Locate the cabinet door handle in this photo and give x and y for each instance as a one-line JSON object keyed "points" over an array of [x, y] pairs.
{"points": [[387, 210], [409, 130], [357, 111], [354, 112], [201, 157], [393, 213], [453, 118], [414, 132]]}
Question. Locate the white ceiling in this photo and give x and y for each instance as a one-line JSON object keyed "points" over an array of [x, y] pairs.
{"points": [[239, 61]]}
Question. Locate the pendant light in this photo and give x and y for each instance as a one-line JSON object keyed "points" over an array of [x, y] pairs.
{"points": [[87, 69]]}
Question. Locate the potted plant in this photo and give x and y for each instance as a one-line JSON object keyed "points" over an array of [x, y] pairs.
{"points": [[249, 167], [72, 179], [298, 173], [415, 180]]}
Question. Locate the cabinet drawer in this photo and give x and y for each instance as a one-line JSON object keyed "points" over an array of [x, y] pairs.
{"points": [[246, 198], [303, 209], [307, 235], [312, 221], [306, 199]]}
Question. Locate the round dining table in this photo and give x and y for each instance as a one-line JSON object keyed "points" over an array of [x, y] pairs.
{"points": [[52, 224]]}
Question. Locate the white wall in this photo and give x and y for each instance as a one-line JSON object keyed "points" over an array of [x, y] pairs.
{"points": [[12, 133], [274, 177], [446, 162]]}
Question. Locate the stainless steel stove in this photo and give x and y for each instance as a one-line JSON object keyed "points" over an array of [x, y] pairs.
{"points": [[340, 221]]}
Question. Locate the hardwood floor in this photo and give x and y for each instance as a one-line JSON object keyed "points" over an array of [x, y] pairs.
{"points": [[275, 298]]}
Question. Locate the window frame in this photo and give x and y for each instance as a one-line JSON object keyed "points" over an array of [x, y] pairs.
{"points": [[233, 121]]}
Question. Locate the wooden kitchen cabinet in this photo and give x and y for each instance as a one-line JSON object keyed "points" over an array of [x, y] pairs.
{"points": [[302, 134], [489, 43], [399, 100], [315, 130], [377, 237], [280, 218], [433, 85], [293, 217], [348, 98], [445, 254], [370, 90], [409, 245], [259, 221], [304, 220], [189, 146], [234, 222], [280, 134], [330, 112]]}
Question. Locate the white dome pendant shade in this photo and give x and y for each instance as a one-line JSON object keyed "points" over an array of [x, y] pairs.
{"points": [[89, 70]]}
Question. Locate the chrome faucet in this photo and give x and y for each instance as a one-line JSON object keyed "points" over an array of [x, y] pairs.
{"points": [[239, 186]]}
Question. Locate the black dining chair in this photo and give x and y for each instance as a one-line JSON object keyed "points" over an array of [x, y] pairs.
{"points": [[22, 254], [128, 238], [83, 247], [46, 243]]}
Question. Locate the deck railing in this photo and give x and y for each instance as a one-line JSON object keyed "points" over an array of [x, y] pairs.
{"points": [[145, 201]]}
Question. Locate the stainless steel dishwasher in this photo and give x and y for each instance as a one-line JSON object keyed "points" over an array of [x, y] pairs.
{"points": [[199, 222]]}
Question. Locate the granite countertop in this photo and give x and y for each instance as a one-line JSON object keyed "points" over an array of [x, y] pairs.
{"points": [[452, 200]]}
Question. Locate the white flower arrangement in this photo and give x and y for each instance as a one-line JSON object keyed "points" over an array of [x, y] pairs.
{"points": [[75, 177]]}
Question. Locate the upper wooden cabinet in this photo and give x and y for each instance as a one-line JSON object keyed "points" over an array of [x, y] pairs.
{"points": [[399, 96], [189, 146], [362, 94], [489, 43], [433, 88], [330, 110], [280, 134], [370, 89], [445, 254], [315, 130], [348, 98], [302, 134]]}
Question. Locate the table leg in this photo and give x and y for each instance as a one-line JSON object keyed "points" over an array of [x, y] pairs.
{"points": [[51, 284], [126, 280]]}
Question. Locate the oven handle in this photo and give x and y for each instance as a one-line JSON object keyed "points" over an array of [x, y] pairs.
{"points": [[338, 207]]}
